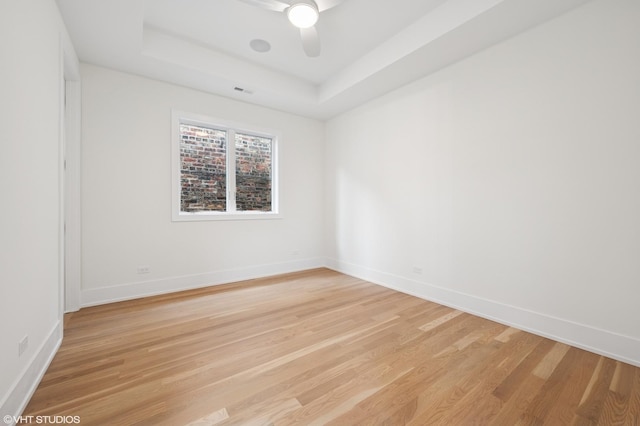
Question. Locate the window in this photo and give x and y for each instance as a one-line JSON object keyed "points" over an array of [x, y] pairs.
{"points": [[222, 170]]}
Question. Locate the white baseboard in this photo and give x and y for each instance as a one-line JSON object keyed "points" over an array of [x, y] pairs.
{"points": [[620, 347], [117, 293], [22, 391]]}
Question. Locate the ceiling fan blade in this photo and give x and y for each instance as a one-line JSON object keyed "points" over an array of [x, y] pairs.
{"points": [[310, 41], [275, 5], [327, 4]]}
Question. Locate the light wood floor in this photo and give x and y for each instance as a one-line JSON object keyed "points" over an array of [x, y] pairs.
{"points": [[321, 348]]}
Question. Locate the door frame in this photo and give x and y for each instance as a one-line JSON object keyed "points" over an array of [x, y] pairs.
{"points": [[71, 180]]}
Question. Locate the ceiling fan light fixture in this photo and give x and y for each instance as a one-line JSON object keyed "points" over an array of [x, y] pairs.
{"points": [[303, 14]]}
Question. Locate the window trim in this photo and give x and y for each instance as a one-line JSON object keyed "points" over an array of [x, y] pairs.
{"points": [[231, 127]]}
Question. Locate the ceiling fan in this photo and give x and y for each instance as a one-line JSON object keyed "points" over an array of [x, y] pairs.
{"points": [[303, 14]]}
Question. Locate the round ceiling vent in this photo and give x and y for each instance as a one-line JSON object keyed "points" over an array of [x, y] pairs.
{"points": [[260, 45]]}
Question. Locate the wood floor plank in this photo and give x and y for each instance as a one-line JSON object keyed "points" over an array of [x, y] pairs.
{"points": [[549, 363], [319, 347], [453, 405], [592, 401], [616, 403], [543, 402], [633, 410], [567, 401], [510, 384]]}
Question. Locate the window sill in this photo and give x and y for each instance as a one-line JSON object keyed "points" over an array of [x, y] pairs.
{"points": [[213, 216]]}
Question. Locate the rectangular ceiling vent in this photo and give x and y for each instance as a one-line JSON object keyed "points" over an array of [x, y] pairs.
{"points": [[243, 90]]}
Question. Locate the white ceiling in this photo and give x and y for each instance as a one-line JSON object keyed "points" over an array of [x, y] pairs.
{"points": [[369, 47]]}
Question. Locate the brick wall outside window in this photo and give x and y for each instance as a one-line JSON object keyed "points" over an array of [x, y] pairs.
{"points": [[253, 173], [203, 161]]}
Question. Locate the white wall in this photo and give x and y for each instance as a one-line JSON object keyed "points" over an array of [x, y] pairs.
{"points": [[507, 184], [126, 196], [31, 76]]}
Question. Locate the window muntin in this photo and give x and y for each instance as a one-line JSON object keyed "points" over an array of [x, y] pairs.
{"points": [[214, 179]]}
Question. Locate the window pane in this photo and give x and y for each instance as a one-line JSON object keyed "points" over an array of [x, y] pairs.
{"points": [[203, 163], [253, 173]]}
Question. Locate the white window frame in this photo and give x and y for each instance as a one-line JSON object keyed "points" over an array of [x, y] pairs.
{"points": [[230, 127]]}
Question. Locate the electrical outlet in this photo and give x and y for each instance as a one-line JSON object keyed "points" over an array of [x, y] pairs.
{"points": [[417, 270], [23, 345], [144, 269]]}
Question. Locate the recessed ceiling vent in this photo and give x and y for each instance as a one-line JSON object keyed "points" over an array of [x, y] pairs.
{"points": [[259, 45]]}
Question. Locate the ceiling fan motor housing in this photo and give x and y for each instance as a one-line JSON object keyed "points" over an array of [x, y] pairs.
{"points": [[303, 13]]}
